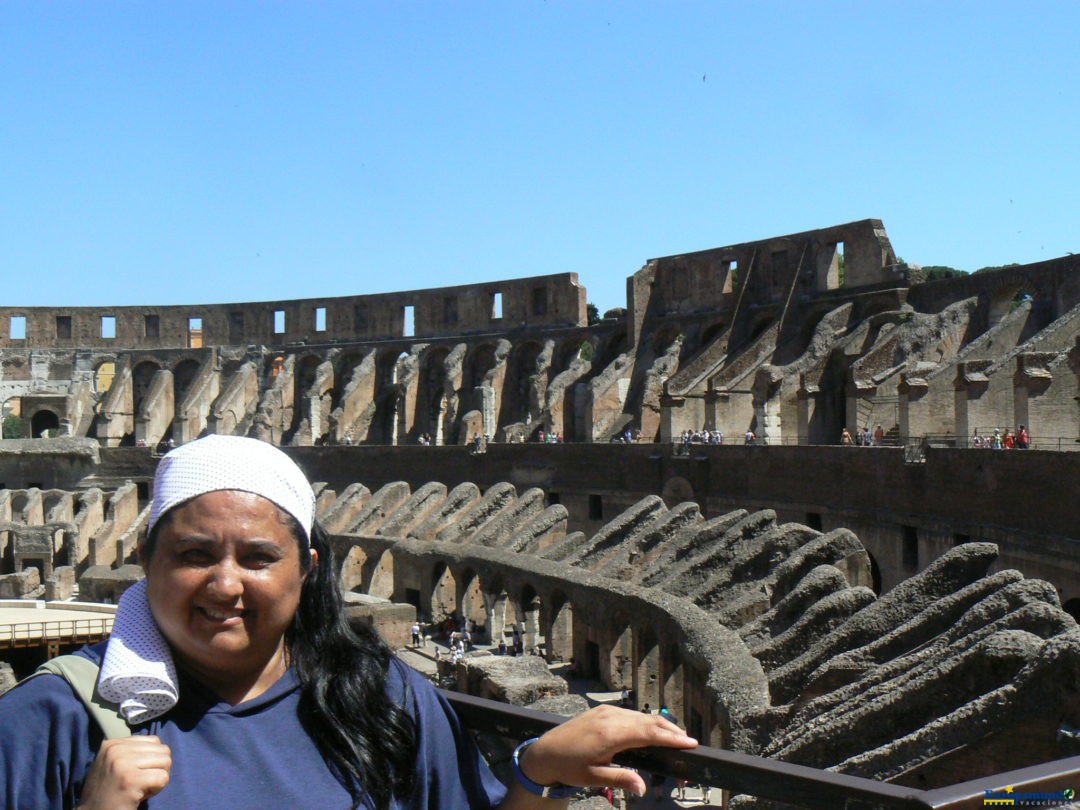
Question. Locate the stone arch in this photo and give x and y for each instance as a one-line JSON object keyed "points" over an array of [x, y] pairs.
{"points": [[43, 422], [104, 373], [1007, 295], [387, 366], [184, 374], [1072, 607], [572, 349], [566, 419], [500, 615], [559, 630], [343, 371], [443, 594], [388, 423], [760, 325], [382, 576], [12, 409], [664, 337], [272, 367], [866, 309], [521, 369], [306, 370], [875, 572], [432, 400], [697, 708], [614, 346], [478, 362], [677, 490], [618, 663], [352, 570], [647, 670], [529, 614], [712, 332], [141, 378], [672, 680], [471, 603]]}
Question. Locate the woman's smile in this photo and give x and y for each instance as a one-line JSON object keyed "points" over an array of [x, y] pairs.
{"points": [[225, 617]]}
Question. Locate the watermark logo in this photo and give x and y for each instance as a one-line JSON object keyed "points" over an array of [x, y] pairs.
{"points": [[1009, 797]]}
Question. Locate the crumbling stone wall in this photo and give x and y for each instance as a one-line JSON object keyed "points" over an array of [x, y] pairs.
{"points": [[523, 303], [752, 355], [764, 636]]}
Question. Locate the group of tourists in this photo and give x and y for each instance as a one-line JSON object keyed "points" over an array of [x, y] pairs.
{"points": [[864, 437], [703, 436], [1008, 440]]}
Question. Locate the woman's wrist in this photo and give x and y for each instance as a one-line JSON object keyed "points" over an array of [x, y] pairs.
{"points": [[527, 770]]}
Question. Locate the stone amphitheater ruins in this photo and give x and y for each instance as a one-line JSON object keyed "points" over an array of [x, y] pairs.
{"points": [[904, 611]]}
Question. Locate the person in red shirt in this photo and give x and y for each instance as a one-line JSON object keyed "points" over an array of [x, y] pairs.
{"points": [[1022, 438]]}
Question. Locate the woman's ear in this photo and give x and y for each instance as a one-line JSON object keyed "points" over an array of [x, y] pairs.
{"points": [[314, 559]]}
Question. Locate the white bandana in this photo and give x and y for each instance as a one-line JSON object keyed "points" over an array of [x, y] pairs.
{"points": [[231, 462], [138, 672]]}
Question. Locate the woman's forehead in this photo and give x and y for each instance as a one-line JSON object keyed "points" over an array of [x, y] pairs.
{"points": [[230, 507]]}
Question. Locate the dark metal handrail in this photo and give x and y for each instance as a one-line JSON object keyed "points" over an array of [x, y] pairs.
{"points": [[772, 778]]}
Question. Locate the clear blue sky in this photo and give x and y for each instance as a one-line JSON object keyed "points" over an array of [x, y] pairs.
{"points": [[194, 152]]}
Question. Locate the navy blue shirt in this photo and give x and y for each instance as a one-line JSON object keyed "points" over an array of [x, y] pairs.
{"points": [[252, 755]]}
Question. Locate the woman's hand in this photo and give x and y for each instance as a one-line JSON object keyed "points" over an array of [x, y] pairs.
{"points": [[579, 752], [126, 772]]}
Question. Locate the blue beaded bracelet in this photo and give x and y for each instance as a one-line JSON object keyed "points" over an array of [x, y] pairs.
{"points": [[555, 791]]}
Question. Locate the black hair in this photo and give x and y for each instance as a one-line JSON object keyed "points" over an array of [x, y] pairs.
{"points": [[369, 742]]}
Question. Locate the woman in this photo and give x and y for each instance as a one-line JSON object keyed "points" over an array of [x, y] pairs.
{"points": [[244, 686]]}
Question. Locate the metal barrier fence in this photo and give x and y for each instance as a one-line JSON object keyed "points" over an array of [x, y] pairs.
{"points": [[783, 781], [74, 631]]}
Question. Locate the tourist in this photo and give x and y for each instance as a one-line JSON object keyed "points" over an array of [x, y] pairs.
{"points": [[234, 661], [879, 436], [416, 634], [1022, 438], [976, 439], [657, 781], [845, 438], [996, 442], [750, 438], [1009, 441], [867, 439]]}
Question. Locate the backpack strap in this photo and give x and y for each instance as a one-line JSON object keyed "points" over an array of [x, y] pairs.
{"points": [[82, 674]]}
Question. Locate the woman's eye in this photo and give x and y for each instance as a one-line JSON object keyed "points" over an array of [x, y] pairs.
{"points": [[195, 556], [261, 560]]}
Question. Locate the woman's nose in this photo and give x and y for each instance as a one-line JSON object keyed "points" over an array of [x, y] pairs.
{"points": [[226, 581]]}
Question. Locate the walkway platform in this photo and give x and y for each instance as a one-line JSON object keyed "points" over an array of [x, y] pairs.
{"points": [[28, 623]]}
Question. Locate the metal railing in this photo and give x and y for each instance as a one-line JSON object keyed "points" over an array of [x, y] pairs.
{"points": [[75, 631], [776, 780]]}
